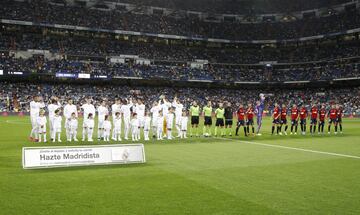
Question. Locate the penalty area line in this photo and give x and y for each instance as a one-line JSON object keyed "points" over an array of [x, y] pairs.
{"points": [[293, 148]]}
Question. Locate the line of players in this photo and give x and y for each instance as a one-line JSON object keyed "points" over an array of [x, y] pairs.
{"points": [[131, 114], [161, 117], [317, 116]]}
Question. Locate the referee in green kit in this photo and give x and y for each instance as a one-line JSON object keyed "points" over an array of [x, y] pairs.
{"points": [[207, 110]]}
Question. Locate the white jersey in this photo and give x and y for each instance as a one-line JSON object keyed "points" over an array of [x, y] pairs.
{"points": [[125, 109], [169, 120], [165, 107], [102, 112], [115, 108], [160, 121], [155, 114], [184, 123], [107, 125], [57, 122], [35, 108], [135, 123], [41, 121], [140, 111], [90, 123], [52, 108], [41, 124], [69, 109], [178, 109], [73, 123], [147, 123], [117, 122], [87, 109]]}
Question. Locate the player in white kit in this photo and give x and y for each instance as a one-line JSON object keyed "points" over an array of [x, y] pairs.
{"points": [[160, 126], [35, 106], [107, 128], [68, 110], [57, 124], [41, 125], [86, 108], [169, 122], [126, 111], [55, 105], [90, 124], [147, 125], [184, 124], [116, 108], [135, 127], [73, 127], [102, 112], [117, 121], [140, 111], [178, 113], [155, 115]]}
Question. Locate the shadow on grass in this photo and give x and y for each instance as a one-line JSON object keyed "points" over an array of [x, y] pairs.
{"points": [[89, 168]]}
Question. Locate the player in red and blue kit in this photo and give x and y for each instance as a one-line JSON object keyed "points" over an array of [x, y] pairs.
{"points": [[283, 119], [241, 120], [322, 116], [332, 115], [313, 118], [303, 116], [250, 119], [294, 118], [276, 119], [339, 116]]}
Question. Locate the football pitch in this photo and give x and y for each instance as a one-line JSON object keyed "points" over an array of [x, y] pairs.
{"points": [[237, 175]]}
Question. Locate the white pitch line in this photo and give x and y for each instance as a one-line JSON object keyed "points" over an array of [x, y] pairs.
{"points": [[294, 148], [16, 122]]}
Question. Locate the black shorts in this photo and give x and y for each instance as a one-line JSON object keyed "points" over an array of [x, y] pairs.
{"points": [[302, 121], [339, 120], [250, 122], [241, 123], [283, 121], [313, 121], [276, 121], [332, 121], [219, 122], [228, 122], [294, 122], [321, 122], [194, 120], [207, 120]]}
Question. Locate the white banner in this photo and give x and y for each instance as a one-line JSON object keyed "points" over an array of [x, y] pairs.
{"points": [[65, 156], [84, 75]]}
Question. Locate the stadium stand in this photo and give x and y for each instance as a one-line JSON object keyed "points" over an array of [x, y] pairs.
{"points": [[36, 42], [40, 11], [22, 93]]}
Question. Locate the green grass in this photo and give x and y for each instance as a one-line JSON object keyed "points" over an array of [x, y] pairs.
{"points": [[192, 176]]}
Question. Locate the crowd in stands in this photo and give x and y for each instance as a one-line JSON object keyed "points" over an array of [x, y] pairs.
{"points": [[87, 46], [169, 62], [40, 65], [17, 96], [41, 11], [293, 73]]}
